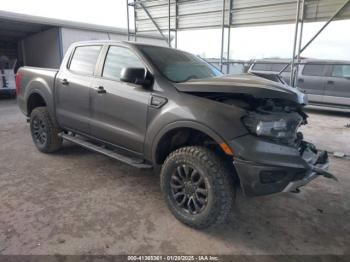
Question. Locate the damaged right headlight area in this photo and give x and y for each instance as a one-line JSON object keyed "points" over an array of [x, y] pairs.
{"points": [[273, 157], [278, 159], [276, 122]]}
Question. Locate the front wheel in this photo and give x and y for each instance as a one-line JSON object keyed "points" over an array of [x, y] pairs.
{"points": [[197, 186], [44, 132]]}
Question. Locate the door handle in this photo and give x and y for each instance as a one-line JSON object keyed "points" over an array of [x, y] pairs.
{"points": [[65, 82], [101, 90], [301, 80], [331, 82]]}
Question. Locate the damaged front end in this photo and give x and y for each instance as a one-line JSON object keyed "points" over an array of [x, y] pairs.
{"points": [[274, 157]]}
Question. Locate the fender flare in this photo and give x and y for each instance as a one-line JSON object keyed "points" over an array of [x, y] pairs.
{"points": [[39, 87], [183, 124]]}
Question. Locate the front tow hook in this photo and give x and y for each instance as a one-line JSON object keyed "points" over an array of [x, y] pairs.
{"points": [[323, 172], [319, 168]]}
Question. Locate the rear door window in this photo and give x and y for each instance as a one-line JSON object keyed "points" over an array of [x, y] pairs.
{"points": [[271, 67], [262, 67], [314, 70], [341, 71], [277, 67], [117, 59], [84, 59]]}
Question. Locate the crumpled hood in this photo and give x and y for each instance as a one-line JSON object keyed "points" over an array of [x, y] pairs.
{"points": [[249, 84]]}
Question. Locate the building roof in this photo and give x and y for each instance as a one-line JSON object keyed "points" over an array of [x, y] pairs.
{"points": [[14, 26]]}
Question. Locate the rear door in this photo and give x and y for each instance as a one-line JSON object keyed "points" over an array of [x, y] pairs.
{"points": [[338, 86], [313, 79], [119, 113], [73, 88]]}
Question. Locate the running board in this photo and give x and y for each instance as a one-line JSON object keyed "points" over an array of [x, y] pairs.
{"points": [[139, 163]]}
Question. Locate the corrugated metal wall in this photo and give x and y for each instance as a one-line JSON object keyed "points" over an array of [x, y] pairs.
{"points": [[252, 12], [208, 13], [42, 49]]}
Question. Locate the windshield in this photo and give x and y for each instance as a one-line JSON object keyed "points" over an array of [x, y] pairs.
{"points": [[179, 66]]}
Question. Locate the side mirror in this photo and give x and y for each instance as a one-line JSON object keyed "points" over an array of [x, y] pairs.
{"points": [[138, 76]]}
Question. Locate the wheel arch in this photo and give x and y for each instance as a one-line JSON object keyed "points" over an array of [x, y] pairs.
{"points": [[39, 94], [35, 99], [171, 130]]}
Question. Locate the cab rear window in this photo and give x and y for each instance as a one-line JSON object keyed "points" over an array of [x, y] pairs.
{"points": [[84, 59], [271, 67]]}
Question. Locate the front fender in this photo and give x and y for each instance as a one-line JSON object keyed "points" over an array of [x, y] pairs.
{"points": [[151, 154], [217, 120]]}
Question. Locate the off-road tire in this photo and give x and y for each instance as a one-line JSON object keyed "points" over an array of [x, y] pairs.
{"points": [[218, 177], [53, 141]]}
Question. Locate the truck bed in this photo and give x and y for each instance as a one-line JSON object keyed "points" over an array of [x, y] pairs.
{"points": [[29, 79]]}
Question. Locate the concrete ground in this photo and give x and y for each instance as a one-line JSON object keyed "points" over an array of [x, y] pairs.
{"points": [[329, 129], [79, 202]]}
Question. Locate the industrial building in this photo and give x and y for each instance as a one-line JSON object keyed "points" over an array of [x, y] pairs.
{"points": [[42, 42]]}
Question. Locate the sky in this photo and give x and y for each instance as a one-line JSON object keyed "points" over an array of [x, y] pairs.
{"points": [[246, 42]]}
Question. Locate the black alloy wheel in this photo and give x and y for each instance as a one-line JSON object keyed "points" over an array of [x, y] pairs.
{"points": [[39, 131], [197, 186], [45, 134], [189, 189]]}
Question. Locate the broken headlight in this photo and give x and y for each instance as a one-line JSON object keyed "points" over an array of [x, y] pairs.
{"points": [[274, 125]]}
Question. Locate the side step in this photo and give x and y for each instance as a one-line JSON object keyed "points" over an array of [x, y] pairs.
{"points": [[86, 144]]}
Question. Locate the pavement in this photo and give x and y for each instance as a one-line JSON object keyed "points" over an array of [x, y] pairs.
{"points": [[79, 202], [329, 129]]}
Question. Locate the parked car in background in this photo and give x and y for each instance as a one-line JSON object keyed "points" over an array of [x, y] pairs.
{"points": [[327, 82]]}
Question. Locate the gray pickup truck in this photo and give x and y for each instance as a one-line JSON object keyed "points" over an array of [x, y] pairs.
{"points": [[156, 107]]}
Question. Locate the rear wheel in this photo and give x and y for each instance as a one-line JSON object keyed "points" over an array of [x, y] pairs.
{"points": [[197, 187], [44, 133]]}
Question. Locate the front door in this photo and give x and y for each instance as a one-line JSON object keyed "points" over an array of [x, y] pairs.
{"points": [[119, 109], [73, 89]]}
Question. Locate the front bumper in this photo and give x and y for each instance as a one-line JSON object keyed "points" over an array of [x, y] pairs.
{"points": [[265, 167]]}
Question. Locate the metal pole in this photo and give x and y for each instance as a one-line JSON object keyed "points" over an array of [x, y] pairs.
{"points": [[176, 23], [291, 81], [127, 17], [169, 38], [229, 38], [135, 30], [228, 50], [300, 41], [222, 34], [301, 29]]}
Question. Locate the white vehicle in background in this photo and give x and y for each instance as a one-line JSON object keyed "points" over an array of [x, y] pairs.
{"points": [[7, 76]]}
